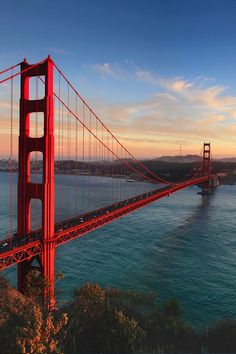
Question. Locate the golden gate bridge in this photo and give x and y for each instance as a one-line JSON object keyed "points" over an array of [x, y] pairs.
{"points": [[46, 116]]}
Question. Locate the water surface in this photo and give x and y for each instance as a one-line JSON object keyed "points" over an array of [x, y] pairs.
{"points": [[181, 247]]}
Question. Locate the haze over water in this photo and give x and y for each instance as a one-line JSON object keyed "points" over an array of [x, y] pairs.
{"points": [[181, 247]]}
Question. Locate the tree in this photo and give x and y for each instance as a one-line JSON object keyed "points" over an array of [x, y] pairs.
{"points": [[36, 285], [96, 325], [40, 331], [166, 331], [172, 308]]}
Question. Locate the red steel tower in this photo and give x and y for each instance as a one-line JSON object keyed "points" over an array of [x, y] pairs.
{"points": [[27, 190], [206, 186]]}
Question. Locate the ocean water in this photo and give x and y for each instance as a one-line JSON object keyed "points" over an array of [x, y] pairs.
{"points": [[182, 247]]}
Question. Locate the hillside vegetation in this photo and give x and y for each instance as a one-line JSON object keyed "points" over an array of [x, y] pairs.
{"points": [[101, 320]]}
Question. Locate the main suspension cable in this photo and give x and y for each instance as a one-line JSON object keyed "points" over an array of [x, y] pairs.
{"points": [[113, 136]]}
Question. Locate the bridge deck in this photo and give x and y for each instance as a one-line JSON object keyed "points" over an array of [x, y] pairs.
{"points": [[15, 250]]}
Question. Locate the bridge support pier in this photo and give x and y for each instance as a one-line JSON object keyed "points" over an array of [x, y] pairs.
{"points": [[44, 191]]}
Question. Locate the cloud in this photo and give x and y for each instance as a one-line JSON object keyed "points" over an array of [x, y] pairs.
{"points": [[191, 111], [165, 96], [205, 78], [179, 85], [174, 109], [107, 69], [59, 51], [119, 71], [213, 98], [210, 119], [148, 77], [193, 92]]}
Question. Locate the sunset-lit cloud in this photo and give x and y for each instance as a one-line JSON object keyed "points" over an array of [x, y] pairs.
{"points": [[193, 111], [174, 111], [177, 84]]}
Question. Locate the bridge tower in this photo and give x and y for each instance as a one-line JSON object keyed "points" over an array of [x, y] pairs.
{"points": [[27, 190], [206, 168]]}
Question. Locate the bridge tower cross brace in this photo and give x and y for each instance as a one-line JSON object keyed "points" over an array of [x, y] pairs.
{"points": [[27, 190], [206, 186]]}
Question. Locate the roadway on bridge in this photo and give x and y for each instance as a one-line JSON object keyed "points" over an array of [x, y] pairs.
{"points": [[77, 226]]}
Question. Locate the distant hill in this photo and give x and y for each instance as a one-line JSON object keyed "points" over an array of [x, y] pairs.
{"points": [[179, 159], [228, 159], [190, 159]]}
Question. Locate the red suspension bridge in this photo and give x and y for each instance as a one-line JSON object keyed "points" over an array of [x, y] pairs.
{"points": [[72, 170]]}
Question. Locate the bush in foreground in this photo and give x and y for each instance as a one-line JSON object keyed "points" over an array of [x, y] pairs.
{"points": [[102, 321]]}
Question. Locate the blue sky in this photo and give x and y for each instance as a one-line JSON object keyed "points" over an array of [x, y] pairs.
{"points": [[136, 60]]}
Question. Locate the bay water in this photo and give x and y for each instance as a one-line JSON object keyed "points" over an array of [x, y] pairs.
{"points": [[181, 247]]}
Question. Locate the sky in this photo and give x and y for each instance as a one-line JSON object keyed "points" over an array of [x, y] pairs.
{"points": [[160, 73]]}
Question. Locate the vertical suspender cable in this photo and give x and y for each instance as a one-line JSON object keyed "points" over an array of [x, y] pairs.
{"points": [[76, 155], [58, 163], [67, 157], [11, 157], [83, 166], [89, 162], [62, 156], [97, 164]]}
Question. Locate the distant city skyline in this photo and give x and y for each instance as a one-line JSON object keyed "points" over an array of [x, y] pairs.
{"points": [[160, 74]]}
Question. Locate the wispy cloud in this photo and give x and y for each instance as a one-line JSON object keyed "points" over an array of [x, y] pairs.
{"points": [[175, 109], [195, 91], [59, 51], [105, 69], [177, 84], [120, 71], [148, 77], [205, 78], [108, 70], [190, 110]]}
